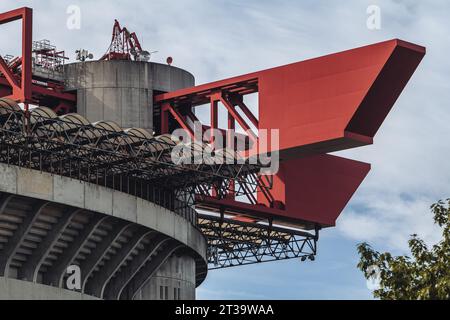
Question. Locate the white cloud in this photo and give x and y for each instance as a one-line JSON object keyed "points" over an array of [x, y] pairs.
{"points": [[389, 220]]}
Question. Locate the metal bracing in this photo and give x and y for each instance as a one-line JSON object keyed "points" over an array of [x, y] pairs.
{"points": [[231, 95], [232, 243]]}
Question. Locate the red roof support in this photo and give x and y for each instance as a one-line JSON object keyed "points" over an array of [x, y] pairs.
{"points": [[320, 105], [236, 116], [165, 110], [20, 91]]}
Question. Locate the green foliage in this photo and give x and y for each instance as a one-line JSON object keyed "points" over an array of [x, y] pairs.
{"points": [[423, 276]]}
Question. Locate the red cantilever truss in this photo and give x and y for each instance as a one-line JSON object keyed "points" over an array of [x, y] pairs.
{"points": [[321, 105]]}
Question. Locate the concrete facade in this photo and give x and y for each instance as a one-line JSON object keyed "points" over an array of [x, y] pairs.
{"points": [[176, 276], [122, 91], [173, 281], [13, 289], [80, 194]]}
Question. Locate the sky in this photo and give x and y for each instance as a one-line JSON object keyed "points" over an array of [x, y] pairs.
{"points": [[218, 39]]}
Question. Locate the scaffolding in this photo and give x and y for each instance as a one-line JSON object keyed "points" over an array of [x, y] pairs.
{"points": [[46, 56]]}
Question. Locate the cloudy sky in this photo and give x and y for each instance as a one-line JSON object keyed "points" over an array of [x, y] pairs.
{"points": [[217, 39]]}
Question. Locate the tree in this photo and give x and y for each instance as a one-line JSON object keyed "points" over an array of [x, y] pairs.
{"points": [[424, 276]]}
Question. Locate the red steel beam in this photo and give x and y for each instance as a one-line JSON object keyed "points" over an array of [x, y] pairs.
{"points": [[39, 90], [178, 117], [20, 92], [248, 113], [325, 104], [321, 105], [239, 101], [231, 124], [314, 190], [214, 118], [27, 42], [232, 111], [23, 90], [10, 77], [200, 94]]}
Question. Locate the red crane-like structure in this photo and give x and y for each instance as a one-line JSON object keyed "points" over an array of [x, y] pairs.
{"points": [[124, 45]]}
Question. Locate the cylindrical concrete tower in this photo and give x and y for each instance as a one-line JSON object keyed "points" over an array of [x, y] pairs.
{"points": [[121, 90]]}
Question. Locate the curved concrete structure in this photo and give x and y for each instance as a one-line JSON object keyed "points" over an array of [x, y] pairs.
{"points": [[126, 247], [122, 91], [173, 281]]}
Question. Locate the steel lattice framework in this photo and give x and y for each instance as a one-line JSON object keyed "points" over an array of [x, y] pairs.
{"points": [[103, 152], [232, 243], [135, 162]]}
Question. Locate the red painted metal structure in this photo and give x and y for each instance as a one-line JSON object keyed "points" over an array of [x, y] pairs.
{"points": [[322, 105], [124, 44], [17, 81], [20, 88]]}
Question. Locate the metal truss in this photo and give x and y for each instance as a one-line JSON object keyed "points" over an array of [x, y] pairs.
{"points": [[131, 160], [232, 243], [71, 146], [135, 162], [178, 107]]}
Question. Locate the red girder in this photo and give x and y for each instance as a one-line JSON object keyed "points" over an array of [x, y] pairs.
{"points": [[20, 87], [21, 90]]}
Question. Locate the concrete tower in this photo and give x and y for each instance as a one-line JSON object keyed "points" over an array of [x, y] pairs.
{"points": [[122, 90]]}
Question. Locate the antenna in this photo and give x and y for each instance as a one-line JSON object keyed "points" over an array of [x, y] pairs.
{"points": [[82, 55], [125, 45]]}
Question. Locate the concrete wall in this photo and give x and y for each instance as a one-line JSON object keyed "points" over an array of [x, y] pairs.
{"points": [[13, 289], [80, 194], [122, 91], [174, 280]]}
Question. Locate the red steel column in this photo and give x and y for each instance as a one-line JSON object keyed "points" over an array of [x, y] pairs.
{"points": [[214, 120], [27, 38], [231, 146], [20, 92]]}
